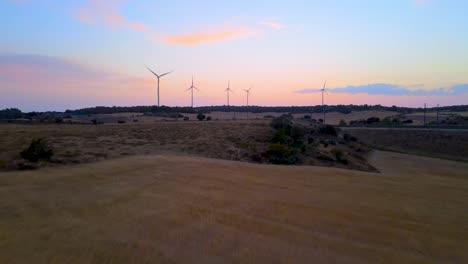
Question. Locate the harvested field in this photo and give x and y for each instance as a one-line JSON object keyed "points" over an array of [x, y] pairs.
{"points": [[441, 143], [173, 209]]}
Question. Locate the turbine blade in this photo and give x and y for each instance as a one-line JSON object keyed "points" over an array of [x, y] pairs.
{"points": [[165, 73], [152, 72], [325, 85], [196, 89], [188, 89]]}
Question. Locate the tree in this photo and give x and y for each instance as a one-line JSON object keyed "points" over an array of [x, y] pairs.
{"points": [[201, 117]]}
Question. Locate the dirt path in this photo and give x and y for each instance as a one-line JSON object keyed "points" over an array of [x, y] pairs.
{"points": [[172, 209]]}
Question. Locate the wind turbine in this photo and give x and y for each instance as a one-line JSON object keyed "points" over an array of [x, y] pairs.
{"points": [[248, 94], [323, 90], [228, 90], [158, 76], [191, 88]]}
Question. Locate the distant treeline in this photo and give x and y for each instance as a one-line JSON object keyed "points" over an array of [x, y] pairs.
{"points": [[13, 113], [257, 109]]}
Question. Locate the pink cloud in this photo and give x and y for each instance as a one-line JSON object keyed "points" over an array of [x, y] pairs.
{"points": [[272, 25], [106, 12], [198, 38]]}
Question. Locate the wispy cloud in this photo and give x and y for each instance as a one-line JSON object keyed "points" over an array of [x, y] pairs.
{"points": [[391, 89], [272, 25], [106, 12], [421, 2], [210, 36]]}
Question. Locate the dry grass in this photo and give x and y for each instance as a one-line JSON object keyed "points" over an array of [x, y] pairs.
{"points": [[172, 209], [449, 144], [74, 144]]}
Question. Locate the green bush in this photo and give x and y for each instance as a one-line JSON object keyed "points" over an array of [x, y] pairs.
{"points": [[281, 154], [280, 137], [38, 150]]}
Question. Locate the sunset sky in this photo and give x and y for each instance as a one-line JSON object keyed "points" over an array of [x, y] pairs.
{"points": [[57, 55]]}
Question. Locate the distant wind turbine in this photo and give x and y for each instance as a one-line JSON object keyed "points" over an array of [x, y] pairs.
{"points": [[228, 91], [323, 90], [248, 94], [192, 88], [158, 76]]}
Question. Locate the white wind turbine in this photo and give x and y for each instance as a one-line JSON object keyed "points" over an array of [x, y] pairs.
{"points": [[323, 90], [228, 91], [192, 88], [158, 77]]}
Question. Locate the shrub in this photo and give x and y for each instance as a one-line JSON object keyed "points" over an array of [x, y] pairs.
{"points": [[298, 132], [38, 150], [58, 120], [320, 120], [209, 118], [280, 137], [201, 117], [186, 118], [342, 122], [372, 120], [121, 121], [308, 117], [328, 130], [283, 122], [244, 145], [339, 156], [281, 154]]}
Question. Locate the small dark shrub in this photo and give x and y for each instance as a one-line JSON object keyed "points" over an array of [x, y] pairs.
{"points": [[121, 121], [307, 117], [283, 122], [209, 118], [310, 140], [58, 120], [280, 137], [409, 121], [38, 150], [328, 130], [320, 120], [281, 154], [201, 117], [298, 132], [186, 118], [244, 145], [339, 155], [372, 120], [347, 137], [342, 122]]}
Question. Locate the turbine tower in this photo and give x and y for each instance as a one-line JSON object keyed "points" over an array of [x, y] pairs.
{"points": [[228, 91], [158, 77], [248, 94], [191, 88], [323, 90]]}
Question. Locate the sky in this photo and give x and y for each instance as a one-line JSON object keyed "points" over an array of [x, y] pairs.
{"points": [[58, 55]]}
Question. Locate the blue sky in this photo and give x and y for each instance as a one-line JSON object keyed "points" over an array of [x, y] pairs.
{"points": [[70, 54]]}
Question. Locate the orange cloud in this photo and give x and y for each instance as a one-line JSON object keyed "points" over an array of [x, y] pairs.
{"points": [[198, 38], [107, 13]]}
